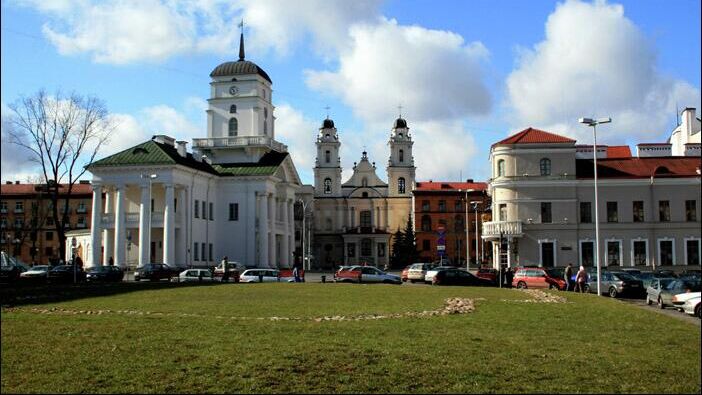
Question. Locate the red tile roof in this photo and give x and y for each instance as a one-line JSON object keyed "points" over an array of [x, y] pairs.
{"points": [[618, 151], [662, 167], [534, 136], [29, 189], [449, 186]]}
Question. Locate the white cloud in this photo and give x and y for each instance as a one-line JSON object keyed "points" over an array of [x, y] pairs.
{"points": [[595, 61], [15, 161], [433, 74], [298, 133]]}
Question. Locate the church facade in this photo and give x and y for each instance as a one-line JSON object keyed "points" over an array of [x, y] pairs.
{"points": [[354, 221], [232, 195]]}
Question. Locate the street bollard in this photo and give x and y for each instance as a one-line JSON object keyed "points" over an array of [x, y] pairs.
{"points": [[260, 278], [324, 279]]}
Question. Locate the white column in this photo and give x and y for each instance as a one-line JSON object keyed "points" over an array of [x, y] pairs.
{"points": [[120, 238], [95, 228], [263, 230], [169, 227], [291, 231], [509, 252], [250, 210], [181, 255], [284, 246], [144, 231], [273, 228], [108, 235]]}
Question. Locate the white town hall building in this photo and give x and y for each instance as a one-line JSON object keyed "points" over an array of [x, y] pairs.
{"points": [[233, 195]]}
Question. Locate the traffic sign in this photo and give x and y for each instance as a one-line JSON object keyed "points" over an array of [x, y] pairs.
{"points": [[441, 247]]}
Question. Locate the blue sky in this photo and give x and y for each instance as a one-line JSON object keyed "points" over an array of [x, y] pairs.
{"points": [[467, 73]]}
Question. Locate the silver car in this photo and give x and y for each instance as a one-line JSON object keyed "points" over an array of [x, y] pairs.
{"points": [[654, 289], [615, 284], [665, 293], [418, 271]]}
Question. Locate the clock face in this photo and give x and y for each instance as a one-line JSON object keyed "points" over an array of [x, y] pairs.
{"points": [[233, 90]]}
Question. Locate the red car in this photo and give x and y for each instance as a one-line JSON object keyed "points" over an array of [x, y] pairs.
{"points": [[536, 277], [487, 274]]}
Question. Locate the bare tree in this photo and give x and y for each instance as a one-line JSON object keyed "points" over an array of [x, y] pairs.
{"points": [[63, 134]]}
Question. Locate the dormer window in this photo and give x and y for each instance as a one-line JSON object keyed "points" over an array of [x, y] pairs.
{"points": [[402, 155], [327, 156], [233, 127], [232, 109]]}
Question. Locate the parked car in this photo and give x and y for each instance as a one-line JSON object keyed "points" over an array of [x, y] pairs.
{"points": [[366, 274], [235, 269], [195, 275], [664, 294], [654, 289], [691, 273], [645, 277], [664, 273], [154, 272], [66, 274], [258, 275], [616, 284], [692, 306], [10, 273], [418, 271], [536, 277], [429, 276], [104, 273], [36, 272], [680, 299], [487, 274], [405, 273], [459, 277]]}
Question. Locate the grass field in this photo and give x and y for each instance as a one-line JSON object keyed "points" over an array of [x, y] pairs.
{"points": [[222, 338]]}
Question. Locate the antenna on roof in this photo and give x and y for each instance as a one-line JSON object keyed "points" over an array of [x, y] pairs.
{"points": [[241, 40]]}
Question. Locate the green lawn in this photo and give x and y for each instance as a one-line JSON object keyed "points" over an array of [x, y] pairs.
{"points": [[209, 339]]}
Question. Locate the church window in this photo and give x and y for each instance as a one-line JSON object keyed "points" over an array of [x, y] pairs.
{"points": [[265, 112], [329, 224], [233, 127], [327, 185], [401, 184], [402, 155], [366, 247], [545, 166], [365, 219], [232, 109], [400, 135], [426, 223], [364, 182], [327, 156], [265, 126], [364, 194], [500, 167]]}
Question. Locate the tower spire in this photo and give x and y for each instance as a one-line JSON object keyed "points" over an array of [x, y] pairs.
{"points": [[241, 41]]}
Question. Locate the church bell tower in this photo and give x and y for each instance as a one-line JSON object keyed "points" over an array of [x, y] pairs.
{"points": [[401, 164], [327, 169]]}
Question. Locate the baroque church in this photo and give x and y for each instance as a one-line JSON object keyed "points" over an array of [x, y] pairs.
{"points": [[354, 221], [232, 195]]}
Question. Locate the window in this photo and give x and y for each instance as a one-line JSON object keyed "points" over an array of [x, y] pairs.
{"points": [[195, 255], [233, 127], [328, 224], [547, 254], [175, 205], [442, 206], [327, 185], [265, 111], [666, 252], [203, 252], [232, 109], [690, 210], [366, 219], [402, 156], [426, 245], [546, 212], [197, 209], [425, 205], [664, 210], [49, 236], [265, 126], [3, 206], [545, 166], [503, 212], [366, 247], [351, 250], [612, 212], [233, 211], [692, 251], [586, 212], [19, 222], [211, 211], [19, 207], [204, 210], [458, 223], [458, 206], [614, 253], [49, 251], [639, 252], [501, 168], [638, 211], [587, 253], [401, 185], [210, 251], [364, 182], [327, 156], [381, 249], [153, 206], [426, 223]]}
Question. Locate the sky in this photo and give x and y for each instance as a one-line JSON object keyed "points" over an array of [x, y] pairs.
{"points": [[464, 74]]}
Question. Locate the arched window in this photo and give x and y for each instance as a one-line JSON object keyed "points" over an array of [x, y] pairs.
{"points": [[327, 185], [364, 194], [426, 223], [233, 127], [458, 223], [500, 167], [545, 166], [327, 156], [265, 127], [364, 182], [366, 219], [232, 109], [265, 112], [402, 156], [401, 184]]}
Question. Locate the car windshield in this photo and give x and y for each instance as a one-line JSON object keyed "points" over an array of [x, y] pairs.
{"points": [[623, 276], [645, 276]]}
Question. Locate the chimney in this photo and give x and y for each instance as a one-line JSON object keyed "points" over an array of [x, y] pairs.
{"points": [[17, 182], [8, 182], [163, 139], [469, 180], [688, 116], [182, 149]]}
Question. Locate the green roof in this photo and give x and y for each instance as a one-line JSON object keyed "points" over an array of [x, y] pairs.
{"points": [[234, 170], [148, 153]]}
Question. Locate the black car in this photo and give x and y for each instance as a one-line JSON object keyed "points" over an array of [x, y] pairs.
{"points": [[664, 273], [459, 277], [105, 274], [154, 272], [10, 273], [66, 274]]}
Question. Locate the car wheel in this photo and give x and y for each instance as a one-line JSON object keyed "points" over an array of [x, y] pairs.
{"points": [[612, 292], [698, 311], [660, 303], [553, 286], [521, 285], [648, 300]]}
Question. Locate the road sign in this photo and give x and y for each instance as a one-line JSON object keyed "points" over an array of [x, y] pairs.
{"points": [[441, 248]]}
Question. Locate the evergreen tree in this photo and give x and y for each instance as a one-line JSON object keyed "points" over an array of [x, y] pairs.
{"points": [[397, 258], [410, 243]]}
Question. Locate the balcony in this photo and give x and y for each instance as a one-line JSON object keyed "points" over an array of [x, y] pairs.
{"points": [[240, 141], [493, 230]]}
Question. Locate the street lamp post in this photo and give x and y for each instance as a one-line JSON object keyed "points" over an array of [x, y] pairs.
{"points": [[594, 123], [151, 177], [467, 226], [475, 206], [302, 240]]}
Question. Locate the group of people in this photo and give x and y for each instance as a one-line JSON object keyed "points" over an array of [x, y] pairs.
{"points": [[580, 278]]}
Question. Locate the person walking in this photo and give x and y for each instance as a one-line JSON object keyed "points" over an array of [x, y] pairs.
{"points": [[111, 261], [567, 273], [225, 269], [580, 279], [296, 272], [509, 276]]}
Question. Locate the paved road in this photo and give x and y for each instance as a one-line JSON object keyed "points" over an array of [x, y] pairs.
{"points": [[669, 311]]}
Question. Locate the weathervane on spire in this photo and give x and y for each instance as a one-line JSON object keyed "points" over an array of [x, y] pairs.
{"points": [[399, 108], [241, 40], [327, 108]]}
